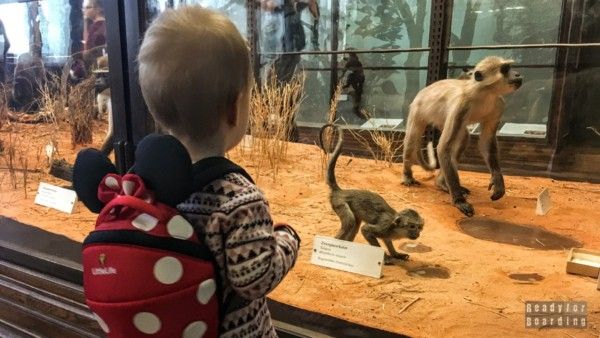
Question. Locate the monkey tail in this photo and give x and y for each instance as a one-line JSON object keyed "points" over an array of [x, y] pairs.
{"points": [[331, 181], [432, 164]]}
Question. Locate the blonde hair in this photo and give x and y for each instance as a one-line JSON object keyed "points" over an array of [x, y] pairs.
{"points": [[193, 65]]}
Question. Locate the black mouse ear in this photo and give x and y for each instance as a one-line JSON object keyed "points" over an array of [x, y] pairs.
{"points": [[90, 168], [166, 168]]}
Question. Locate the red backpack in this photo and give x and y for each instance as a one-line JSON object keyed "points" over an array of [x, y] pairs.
{"points": [[145, 271]]}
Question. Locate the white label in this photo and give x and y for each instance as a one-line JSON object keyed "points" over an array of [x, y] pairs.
{"points": [[523, 129], [381, 123], [343, 97], [347, 256], [55, 197], [543, 202]]}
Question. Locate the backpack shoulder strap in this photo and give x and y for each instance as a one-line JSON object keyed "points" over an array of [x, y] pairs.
{"points": [[212, 168]]}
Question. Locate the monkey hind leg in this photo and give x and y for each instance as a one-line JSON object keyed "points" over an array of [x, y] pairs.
{"points": [[412, 140], [350, 223], [440, 182]]}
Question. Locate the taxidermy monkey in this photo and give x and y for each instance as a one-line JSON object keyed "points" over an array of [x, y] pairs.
{"points": [[450, 105], [356, 206], [356, 79], [103, 102]]}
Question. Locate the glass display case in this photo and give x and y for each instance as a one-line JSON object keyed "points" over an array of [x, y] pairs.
{"points": [[71, 82]]}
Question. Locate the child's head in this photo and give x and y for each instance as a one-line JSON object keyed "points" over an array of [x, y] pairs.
{"points": [[194, 70]]}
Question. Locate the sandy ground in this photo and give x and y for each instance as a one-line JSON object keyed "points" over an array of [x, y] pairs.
{"points": [[475, 297]]}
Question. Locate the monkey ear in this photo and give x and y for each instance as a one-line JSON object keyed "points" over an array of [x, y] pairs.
{"points": [[398, 219], [478, 76]]}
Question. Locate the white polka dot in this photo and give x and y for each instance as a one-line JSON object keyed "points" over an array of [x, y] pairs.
{"points": [[206, 290], [102, 324], [112, 183], [195, 330], [168, 270], [128, 187], [178, 227], [144, 222], [147, 322]]}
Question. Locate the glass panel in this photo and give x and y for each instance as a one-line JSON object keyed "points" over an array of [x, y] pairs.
{"points": [[55, 94], [511, 22], [14, 17], [306, 27], [582, 90]]}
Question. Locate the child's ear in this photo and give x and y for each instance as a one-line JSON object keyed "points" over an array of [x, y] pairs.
{"points": [[233, 115]]}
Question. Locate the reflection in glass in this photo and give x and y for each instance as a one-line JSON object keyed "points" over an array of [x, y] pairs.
{"points": [[490, 22], [234, 9]]}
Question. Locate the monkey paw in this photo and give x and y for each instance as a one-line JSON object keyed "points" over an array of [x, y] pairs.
{"points": [[401, 256], [464, 191], [497, 183], [410, 181], [389, 260], [465, 207]]}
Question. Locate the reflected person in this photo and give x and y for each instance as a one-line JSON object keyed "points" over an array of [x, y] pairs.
{"points": [[5, 43]]}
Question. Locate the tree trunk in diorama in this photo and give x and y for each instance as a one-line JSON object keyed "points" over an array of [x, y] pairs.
{"points": [[461, 57], [414, 28]]}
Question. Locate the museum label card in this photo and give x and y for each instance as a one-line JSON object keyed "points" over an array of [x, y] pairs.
{"points": [[523, 129], [347, 256], [55, 197], [543, 202], [381, 123]]}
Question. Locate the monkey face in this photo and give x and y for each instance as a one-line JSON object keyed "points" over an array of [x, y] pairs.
{"points": [[513, 77], [495, 73], [410, 223]]}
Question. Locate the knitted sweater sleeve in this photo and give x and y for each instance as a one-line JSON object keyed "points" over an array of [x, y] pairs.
{"points": [[257, 254]]}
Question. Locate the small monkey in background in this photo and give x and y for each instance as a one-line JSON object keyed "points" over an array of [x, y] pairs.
{"points": [[450, 105], [355, 79], [356, 206]]}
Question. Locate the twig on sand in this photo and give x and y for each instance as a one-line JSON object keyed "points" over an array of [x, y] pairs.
{"points": [[409, 304], [494, 310], [537, 240]]}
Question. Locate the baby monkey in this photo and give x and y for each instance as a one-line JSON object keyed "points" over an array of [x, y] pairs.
{"points": [[356, 206]]}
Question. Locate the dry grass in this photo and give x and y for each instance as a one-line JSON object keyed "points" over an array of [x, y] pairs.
{"points": [[81, 111], [52, 102], [4, 96], [10, 156], [382, 145], [272, 114]]}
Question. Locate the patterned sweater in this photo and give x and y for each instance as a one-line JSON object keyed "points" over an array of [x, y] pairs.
{"points": [[253, 256]]}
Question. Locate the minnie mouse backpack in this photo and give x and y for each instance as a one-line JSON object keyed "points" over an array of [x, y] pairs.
{"points": [[145, 270]]}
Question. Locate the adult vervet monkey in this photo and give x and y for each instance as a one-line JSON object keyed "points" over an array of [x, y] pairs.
{"points": [[450, 105]]}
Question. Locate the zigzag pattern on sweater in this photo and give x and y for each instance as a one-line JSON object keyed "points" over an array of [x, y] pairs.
{"points": [[233, 217]]}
